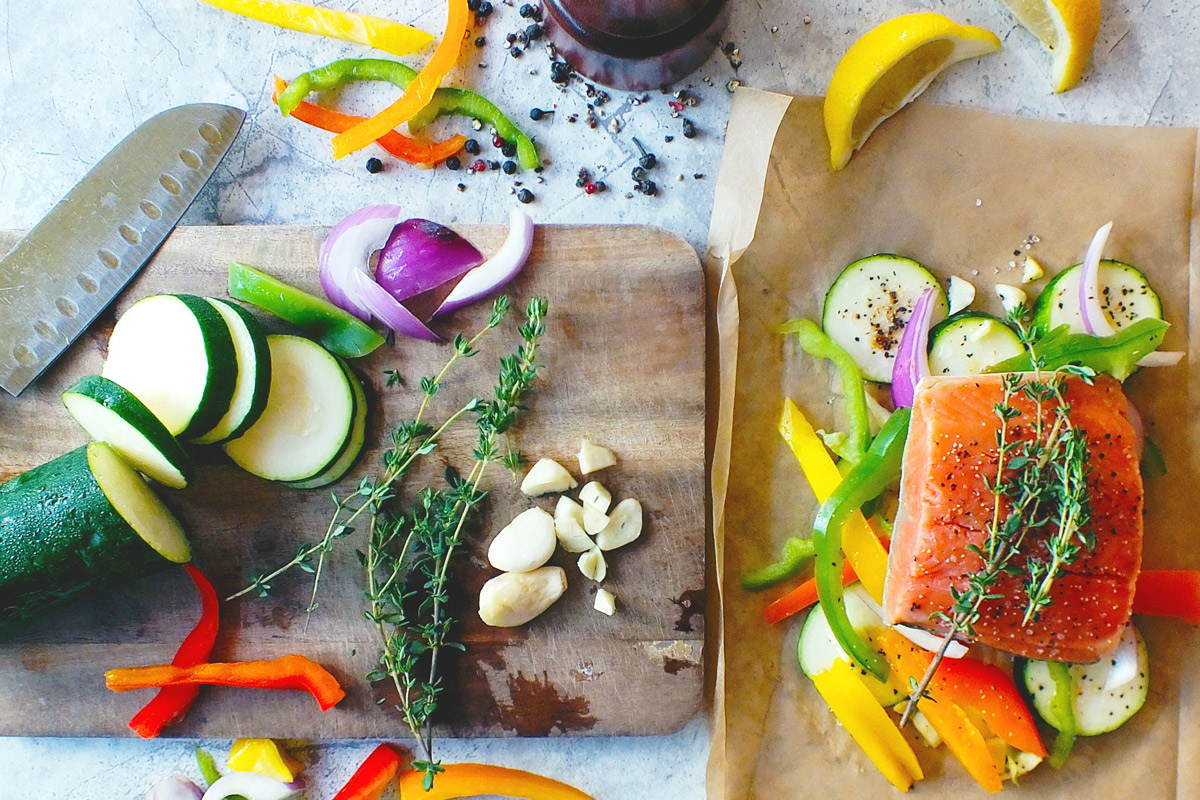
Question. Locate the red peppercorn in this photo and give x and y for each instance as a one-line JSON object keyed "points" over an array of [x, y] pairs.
{"points": [[675, 105], [589, 188], [479, 166], [497, 141]]}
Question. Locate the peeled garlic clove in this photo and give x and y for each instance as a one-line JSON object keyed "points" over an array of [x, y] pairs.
{"points": [[525, 543], [1033, 270], [547, 476], [592, 565], [593, 457], [594, 495], [514, 598], [606, 602], [960, 294], [624, 525], [594, 521], [568, 526], [1011, 297]]}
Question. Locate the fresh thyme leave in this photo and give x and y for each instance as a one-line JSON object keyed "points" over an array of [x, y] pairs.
{"points": [[408, 559], [1040, 483], [409, 441]]}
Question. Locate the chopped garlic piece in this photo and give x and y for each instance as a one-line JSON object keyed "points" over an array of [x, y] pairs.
{"points": [[547, 476], [1011, 297], [593, 566], [624, 525], [960, 294], [568, 526], [593, 457], [596, 500], [1033, 270], [606, 602]]}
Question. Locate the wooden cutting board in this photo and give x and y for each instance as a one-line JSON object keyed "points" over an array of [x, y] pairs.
{"points": [[623, 365]]}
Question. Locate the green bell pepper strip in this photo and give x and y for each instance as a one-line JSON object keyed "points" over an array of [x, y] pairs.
{"points": [[445, 101], [1115, 355], [879, 466], [817, 343], [794, 556], [1063, 712]]}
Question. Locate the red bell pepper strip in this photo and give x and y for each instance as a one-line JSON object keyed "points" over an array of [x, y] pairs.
{"points": [[1169, 593], [397, 144], [172, 702], [288, 672], [989, 690], [372, 776], [801, 597], [469, 780]]}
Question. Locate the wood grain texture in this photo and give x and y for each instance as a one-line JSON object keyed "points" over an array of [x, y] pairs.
{"points": [[624, 366]]}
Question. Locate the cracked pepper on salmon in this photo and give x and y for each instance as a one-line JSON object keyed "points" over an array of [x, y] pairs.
{"points": [[946, 506]]}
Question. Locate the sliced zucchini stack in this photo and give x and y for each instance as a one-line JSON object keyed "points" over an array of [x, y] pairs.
{"points": [[969, 342], [111, 414], [353, 446], [308, 422], [253, 374], [175, 353], [868, 305], [1125, 297], [83, 520]]}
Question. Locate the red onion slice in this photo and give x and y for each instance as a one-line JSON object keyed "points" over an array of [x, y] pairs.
{"points": [[912, 359], [250, 785], [348, 248], [387, 309], [176, 787], [421, 255], [1095, 321], [497, 270]]}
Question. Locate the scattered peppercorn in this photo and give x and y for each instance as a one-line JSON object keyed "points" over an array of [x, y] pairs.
{"points": [[600, 186], [589, 188], [510, 38], [471, 146], [533, 33], [515, 52], [473, 5], [536, 114], [560, 72], [497, 141], [453, 163], [493, 165], [698, 175], [639, 174], [668, 139], [479, 165], [583, 178], [509, 167], [508, 149], [374, 165], [648, 188], [689, 130], [462, 187], [525, 196], [476, 125], [526, 11], [485, 10]]}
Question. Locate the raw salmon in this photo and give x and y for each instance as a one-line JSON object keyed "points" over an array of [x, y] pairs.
{"points": [[945, 506]]}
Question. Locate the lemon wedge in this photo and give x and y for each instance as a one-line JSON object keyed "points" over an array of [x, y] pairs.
{"points": [[263, 756], [1067, 28], [887, 68]]}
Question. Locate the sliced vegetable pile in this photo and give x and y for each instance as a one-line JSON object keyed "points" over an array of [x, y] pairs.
{"points": [[885, 321]]}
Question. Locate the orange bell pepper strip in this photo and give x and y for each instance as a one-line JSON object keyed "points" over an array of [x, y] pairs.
{"points": [[1169, 593], [397, 144], [989, 690], [382, 34], [372, 776], [951, 722], [859, 542], [801, 597], [419, 92], [468, 780], [868, 723], [288, 672]]}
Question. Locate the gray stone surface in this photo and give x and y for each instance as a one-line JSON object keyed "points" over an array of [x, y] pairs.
{"points": [[76, 77]]}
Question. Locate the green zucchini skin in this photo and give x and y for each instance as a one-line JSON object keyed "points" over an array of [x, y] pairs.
{"points": [[61, 537]]}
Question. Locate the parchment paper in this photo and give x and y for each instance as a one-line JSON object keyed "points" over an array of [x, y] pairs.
{"points": [[960, 191]]}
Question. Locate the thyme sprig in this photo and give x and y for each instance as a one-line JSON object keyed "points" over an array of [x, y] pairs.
{"points": [[409, 557], [1040, 483]]}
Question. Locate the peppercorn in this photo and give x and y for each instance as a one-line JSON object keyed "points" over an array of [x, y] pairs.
{"points": [[583, 177], [509, 167], [533, 33], [526, 11], [473, 5], [471, 146], [525, 196], [374, 165], [480, 41], [560, 72], [485, 10], [600, 186], [493, 165], [648, 188], [639, 174], [536, 114], [589, 188], [508, 149], [479, 165], [668, 139], [515, 52], [453, 163], [462, 187], [689, 130], [497, 141]]}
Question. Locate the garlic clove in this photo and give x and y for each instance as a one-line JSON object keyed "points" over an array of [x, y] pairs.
{"points": [[514, 598], [624, 525], [525, 543], [592, 565], [594, 521], [568, 526], [606, 602], [960, 294], [547, 476], [594, 495], [593, 457]]}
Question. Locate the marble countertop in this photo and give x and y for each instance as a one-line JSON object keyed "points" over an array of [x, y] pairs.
{"points": [[76, 77]]}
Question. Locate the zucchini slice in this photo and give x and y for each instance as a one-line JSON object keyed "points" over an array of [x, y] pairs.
{"points": [[969, 342], [253, 378], [79, 522], [1125, 297], [175, 353], [111, 414], [307, 422], [868, 305], [354, 443]]}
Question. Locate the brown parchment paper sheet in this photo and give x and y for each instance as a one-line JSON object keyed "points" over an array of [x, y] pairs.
{"points": [[958, 190]]}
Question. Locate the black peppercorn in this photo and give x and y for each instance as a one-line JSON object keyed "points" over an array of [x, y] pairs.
{"points": [[471, 146], [526, 11], [639, 174], [649, 188], [374, 165], [533, 33], [515, 52], [648, 161], [560, 72], [525, 196], [689, 130], [453, 163], [480, 41], [485, 10], [600, 186], [537, 113], [508, 149], [509, 167], [473, 5]]}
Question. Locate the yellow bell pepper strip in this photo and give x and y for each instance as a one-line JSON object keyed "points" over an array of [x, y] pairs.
{"points": [[951, 722], [468, 780], [263, 756], [869, 724], [382, 34], [419, 92], [862, 547]]}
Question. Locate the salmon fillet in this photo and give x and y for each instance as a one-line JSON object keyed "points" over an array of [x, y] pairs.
{"points": [[946, 506]]}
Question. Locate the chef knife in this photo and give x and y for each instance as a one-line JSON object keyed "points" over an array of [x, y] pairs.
{"points": [[59, 277]]}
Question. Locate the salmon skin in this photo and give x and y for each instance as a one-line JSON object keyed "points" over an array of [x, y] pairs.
{"points": [[946, 506]]}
